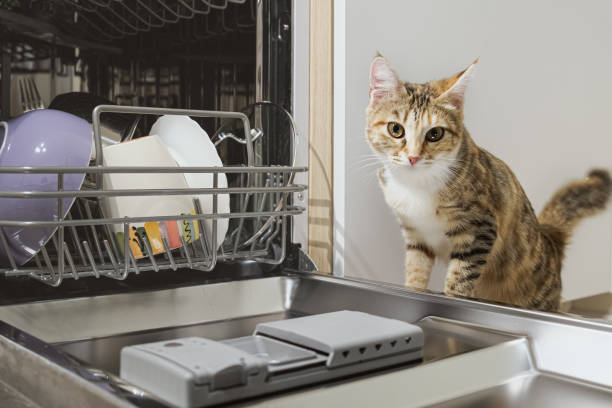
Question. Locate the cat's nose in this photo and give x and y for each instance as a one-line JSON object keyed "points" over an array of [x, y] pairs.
{"points": [[414, 159]]}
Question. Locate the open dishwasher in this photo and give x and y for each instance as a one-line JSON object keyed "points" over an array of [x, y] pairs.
{"points": [[92, 320]]}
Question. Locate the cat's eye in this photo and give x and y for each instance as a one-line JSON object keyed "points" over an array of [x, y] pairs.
{"points": [[434, 134], [395, 129]]}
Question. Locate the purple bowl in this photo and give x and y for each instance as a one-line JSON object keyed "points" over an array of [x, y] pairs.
{"points": [[43, 137]]}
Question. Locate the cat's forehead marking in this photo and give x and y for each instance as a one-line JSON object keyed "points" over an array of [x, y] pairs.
{"points": [[405, 115], [419, 97]]}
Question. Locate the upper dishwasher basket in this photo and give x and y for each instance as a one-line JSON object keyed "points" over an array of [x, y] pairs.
{"points": [[84, 243]]}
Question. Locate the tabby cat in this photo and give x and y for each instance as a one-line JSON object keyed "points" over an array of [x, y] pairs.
{"points": [[458, 203]]}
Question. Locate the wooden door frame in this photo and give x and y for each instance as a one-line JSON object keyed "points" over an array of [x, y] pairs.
{"points": [[320, 137]]}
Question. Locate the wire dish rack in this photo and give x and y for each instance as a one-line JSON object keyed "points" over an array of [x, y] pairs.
{"points": [[84, 244]]}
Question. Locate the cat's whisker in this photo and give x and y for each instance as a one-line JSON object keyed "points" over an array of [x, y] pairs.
{"points": [[366, 161], [360, 166]]}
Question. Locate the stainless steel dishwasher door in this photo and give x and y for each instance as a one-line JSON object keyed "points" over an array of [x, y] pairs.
{"points": [[475, 353]]}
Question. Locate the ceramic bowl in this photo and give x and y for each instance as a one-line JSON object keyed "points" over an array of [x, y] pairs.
{"points": [[146, 152], [190, 146], [43, 137]]}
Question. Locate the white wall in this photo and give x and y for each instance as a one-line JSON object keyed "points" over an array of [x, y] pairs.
{"points": [[540, 100]]}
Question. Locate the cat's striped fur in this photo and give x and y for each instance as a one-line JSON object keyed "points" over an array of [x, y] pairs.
{"points": [[461, 204]]}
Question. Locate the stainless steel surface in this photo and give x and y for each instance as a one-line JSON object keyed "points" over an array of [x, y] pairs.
{"points": [[475, 353], [114, 259], [11, 398], [535, 390]]}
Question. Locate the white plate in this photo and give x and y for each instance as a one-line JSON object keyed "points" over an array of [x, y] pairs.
{"points": [[146, 152], [191, 146]]}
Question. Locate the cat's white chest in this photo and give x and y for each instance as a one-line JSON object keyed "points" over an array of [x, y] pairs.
{"points": [[415, 206]]}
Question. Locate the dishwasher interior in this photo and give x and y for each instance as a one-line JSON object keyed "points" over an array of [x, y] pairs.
{"points": [[223, 66]]}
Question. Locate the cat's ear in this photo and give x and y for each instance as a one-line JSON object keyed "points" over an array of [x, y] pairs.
{"points": [[384, 82], [454, 88]]}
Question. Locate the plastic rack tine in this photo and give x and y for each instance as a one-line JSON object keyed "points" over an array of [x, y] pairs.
{"points": [[38, 104], [113, 242], [29, 96], [241, 222], [133, 260], [216, 4], [204, 245], [283, 246], [127, 250], [57, 278], [213, 257], [214, 228], [113, 261], [185, 249], [94, 232], [77, 242], [29, 93], [177, 14], [276, 183], [37, 261], [283, 240], [147, 23], [253, 10], [22, 95], [273, 232], [169, 253], [60, 215], [7, 249], [181, 249], [75, 275], [91, 259], [150, 254], [277, 228], [203, 235], [213, 253], [55, 245], [264, 197], [193, 7], [193, 244], [154, 14], [266, 235], [268, 228]]}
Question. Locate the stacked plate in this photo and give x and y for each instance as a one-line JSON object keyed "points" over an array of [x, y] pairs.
{"points": [[174, 141]]}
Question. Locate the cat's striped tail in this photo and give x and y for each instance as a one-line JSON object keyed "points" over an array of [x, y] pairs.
{"points": [[576, 201]]}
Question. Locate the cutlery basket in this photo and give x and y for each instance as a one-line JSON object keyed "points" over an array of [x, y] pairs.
{"points": [[85, 241]]}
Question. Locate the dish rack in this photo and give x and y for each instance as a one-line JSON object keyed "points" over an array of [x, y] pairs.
{"points": [[84, 245]]}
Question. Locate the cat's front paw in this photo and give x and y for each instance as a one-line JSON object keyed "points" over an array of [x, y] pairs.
{"points": [[456, 292], [418, 288]]}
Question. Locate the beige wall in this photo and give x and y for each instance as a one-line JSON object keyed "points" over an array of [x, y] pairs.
{"points": [[540, 100]]}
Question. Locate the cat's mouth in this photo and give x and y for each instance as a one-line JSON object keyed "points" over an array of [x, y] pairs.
{"points": [[406, 163]]}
